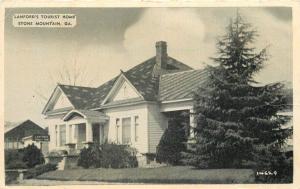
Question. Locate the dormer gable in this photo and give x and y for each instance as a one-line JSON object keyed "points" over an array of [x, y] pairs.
{"points": [[58, 101], [125, 91], [122, 90], [62, 102]]}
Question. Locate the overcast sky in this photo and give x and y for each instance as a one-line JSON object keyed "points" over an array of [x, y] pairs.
{"points": [[107, 40]]}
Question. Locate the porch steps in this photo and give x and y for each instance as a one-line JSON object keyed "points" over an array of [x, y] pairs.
{"points": [[154, 164], [61, 165]]}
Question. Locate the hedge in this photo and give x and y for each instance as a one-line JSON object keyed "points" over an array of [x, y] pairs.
{"points": [[107, 156]]}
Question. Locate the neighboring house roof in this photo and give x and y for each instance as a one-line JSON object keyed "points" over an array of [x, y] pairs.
{"points": [[25, 129], [10, 125], [180, 85]]}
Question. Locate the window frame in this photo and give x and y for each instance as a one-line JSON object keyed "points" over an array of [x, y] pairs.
{"points": [[117, 129], [123, 130], [136, 126], [61, 136]]}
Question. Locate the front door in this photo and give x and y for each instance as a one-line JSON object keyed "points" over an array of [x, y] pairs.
{"points": [[96, 133]]}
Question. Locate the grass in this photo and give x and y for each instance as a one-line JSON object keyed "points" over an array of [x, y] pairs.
{"points": [[176, 174]]}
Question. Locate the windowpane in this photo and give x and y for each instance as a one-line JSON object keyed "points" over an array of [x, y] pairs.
{"points": [[62, 132], [136, 127], [126, 133], [56, 136], [117, 129]]}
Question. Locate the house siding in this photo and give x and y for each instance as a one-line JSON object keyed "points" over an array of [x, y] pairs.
{"points": [[151, 126], [129, 111], [51, 130], [157, 123]]}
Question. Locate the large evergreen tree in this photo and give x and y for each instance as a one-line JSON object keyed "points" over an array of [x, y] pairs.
{"points": [[236, 118]]}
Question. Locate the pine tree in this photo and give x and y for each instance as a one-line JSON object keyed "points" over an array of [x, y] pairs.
{"points": [[236, 119]]}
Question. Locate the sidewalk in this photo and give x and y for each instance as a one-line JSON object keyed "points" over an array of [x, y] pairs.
{"points": [[38, 182]]}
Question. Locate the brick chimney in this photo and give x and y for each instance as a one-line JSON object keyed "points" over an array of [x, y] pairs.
{"points": [[161, 54]]}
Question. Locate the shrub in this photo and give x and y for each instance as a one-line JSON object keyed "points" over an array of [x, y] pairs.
{"points": [[118, 156], [11, 177], [40, 169], [107, 156], [90, 157], [172, 143], [32, 156], [14, 159], [18, 164]]}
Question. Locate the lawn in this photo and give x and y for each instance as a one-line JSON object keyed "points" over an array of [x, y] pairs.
{"points": [[177, 174]]}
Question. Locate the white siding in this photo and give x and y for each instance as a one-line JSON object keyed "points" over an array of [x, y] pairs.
{"points": [[125, 91], [62, 102], [157, 123], [130, 111], [51, 131]]}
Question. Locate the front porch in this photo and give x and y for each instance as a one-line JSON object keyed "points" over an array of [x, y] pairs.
{"points": [[79, 128]]}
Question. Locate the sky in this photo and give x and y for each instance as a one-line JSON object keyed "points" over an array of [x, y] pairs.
{"points": [[106, 40]]}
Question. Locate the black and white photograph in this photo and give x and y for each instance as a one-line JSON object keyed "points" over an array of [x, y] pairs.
{"points": [[148, 95]]}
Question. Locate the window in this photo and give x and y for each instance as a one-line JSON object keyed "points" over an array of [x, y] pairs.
{"points": [[56, 137], [126, 133], [117, 129], [62, 132], [136, 127]]}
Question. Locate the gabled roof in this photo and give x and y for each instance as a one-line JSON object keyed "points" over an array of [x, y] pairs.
{"points": [[140, 76], [24, 129], [10, 125], [180, 85], [122, 78], [79, 96], [85, 114]]}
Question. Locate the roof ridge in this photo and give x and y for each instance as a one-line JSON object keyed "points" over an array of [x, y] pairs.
{"points": [[168, 74], [76, 86], [141, 63], [21, 123], [15, 124], [178, 61]]}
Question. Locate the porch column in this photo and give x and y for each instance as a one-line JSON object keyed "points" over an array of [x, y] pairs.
{"points": [[192, 124], [73, 131], [88, 132]]}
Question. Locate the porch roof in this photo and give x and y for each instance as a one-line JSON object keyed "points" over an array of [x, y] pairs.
{"points": [[87, 114]]}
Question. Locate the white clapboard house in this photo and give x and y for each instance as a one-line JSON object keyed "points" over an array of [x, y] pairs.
{"points": [[132, 108]]}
